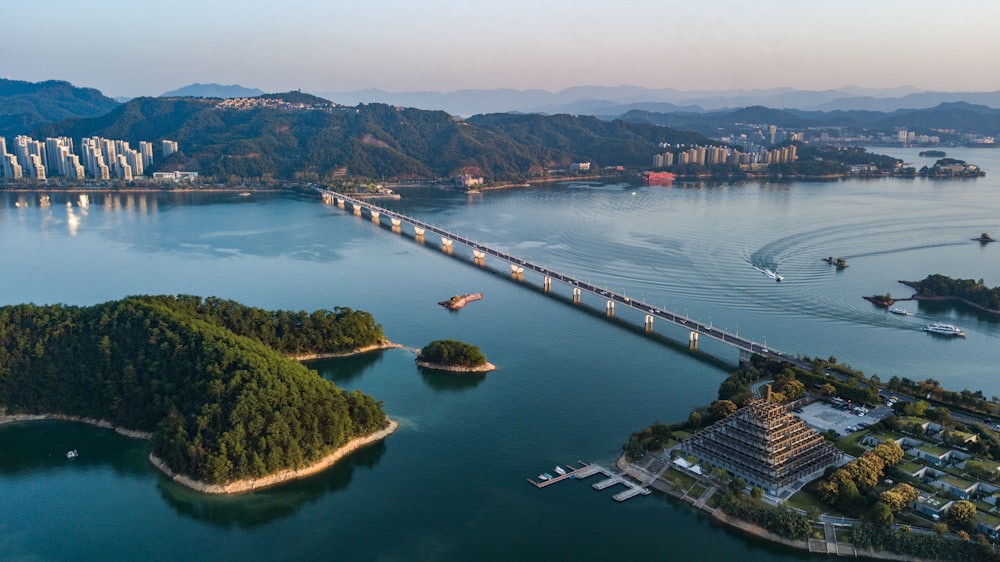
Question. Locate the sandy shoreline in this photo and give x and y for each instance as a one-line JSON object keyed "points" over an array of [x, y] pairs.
{"points": [[249, 485], [16, 418], [375, 347]]}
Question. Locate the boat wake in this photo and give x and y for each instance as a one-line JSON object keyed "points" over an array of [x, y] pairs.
{"points": [[771, 273]]}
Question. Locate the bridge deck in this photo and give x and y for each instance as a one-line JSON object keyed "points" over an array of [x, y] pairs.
{"points": [[620, 299]]}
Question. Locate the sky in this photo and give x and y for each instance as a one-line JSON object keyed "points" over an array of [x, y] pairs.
{"points": [[129, 48]]}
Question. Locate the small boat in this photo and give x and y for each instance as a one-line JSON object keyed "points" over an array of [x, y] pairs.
{"points": [[548, 476], [944, 329], [560, 471], [773, 275], [72, 454], [899, 311], [244, 194], [543, 477]]}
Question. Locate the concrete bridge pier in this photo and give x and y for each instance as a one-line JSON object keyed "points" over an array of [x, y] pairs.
{"points": [[341, 203], [357, 210], [576, 295], [417, 231], [395, 225], [446, 245], [610, 307], [375, 216], [745, 356], [547, 284], [479, 257], [649, 323], [516, 272], [693, 340]]}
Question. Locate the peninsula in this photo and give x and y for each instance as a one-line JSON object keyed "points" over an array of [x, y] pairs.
{"points": [[207, 380]]}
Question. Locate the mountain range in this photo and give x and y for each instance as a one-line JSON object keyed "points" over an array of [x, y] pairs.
{"points": [[25, 105], [611, 102]]}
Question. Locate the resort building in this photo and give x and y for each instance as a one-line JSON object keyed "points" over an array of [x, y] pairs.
{"points": [[765, 445]]}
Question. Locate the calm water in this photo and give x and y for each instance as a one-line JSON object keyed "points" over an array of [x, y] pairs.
{"points": [[450, 484]]}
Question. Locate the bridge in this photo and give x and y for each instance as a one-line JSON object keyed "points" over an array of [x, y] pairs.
{"points": [[519, 266]]}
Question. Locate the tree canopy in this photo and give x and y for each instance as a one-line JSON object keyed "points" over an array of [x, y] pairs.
{"points": [[207, 377], [452, 353]]}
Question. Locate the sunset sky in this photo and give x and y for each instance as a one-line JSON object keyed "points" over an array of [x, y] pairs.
{"points": [[132, 49]]}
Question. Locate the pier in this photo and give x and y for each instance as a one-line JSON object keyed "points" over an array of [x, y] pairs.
{"points": [[612, 478], [519, 267]]}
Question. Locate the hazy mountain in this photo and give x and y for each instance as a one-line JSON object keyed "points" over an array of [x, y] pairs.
{"points": [[961, 116], [610, 101], [24, 105], [213, 91]]}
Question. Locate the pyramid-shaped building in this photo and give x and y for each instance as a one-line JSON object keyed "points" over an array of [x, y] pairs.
{"points": [[764, 444]]}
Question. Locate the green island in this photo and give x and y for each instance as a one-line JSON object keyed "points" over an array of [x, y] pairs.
{"points": [[923, 483], [453, 355], [209, 381], [972, 292], [839, 263]]}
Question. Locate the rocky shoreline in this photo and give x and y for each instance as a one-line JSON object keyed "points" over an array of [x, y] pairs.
{"points": [[252, 484], [484, 368]]}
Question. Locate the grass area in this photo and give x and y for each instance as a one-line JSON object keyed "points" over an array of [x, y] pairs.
{"points": [[914, 520], [852, 444], [681, 435], [716, 500], [808, 502], [697, 490], [678, 479]]}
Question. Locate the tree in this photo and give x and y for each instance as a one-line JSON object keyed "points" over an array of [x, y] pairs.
{"points": [[737, 484], [939, 414], [756, 492], [828, 389], [881, 514], [722, 408], [916, 409], [939, 528], [694, 420], [963, 515]]}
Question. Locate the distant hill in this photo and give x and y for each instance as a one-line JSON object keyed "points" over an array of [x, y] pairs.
{"points": [[25, 105], [213, 91], [960, 116], [375, 141], [612, 101]]}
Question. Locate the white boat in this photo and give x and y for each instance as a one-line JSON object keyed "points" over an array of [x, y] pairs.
{"points": [[548, 476], [543, 477], [72, 454], [944, 329], [899, 311], [773, 275], [560, 471]]}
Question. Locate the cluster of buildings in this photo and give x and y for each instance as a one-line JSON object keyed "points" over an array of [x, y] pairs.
{"points": [[94, 157], [246, 104], [942, 474], [720, 155]]}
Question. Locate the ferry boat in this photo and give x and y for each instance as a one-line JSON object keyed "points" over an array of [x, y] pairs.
{"points": [[72, 454], [899, 311], [944, 329]]}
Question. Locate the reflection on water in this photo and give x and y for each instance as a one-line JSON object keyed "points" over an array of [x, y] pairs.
{"points": [[451, 382], [258, 508], [41, 447], [342, 370]]}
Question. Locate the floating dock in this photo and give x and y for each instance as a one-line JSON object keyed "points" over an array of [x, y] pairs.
{"points": [[586, 470]]}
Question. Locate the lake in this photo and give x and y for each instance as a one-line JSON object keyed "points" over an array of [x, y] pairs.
{"points": [[450, 484]]}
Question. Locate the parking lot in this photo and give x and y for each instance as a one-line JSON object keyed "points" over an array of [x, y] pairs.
{"points": [[823, 416]]}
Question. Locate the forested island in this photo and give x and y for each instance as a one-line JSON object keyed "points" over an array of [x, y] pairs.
{"points": [[453, 355], [970, 291], [209, 379]]}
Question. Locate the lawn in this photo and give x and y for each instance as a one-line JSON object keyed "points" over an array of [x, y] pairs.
{"points": [[678, 479], [852, 444], [808, 502]]}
